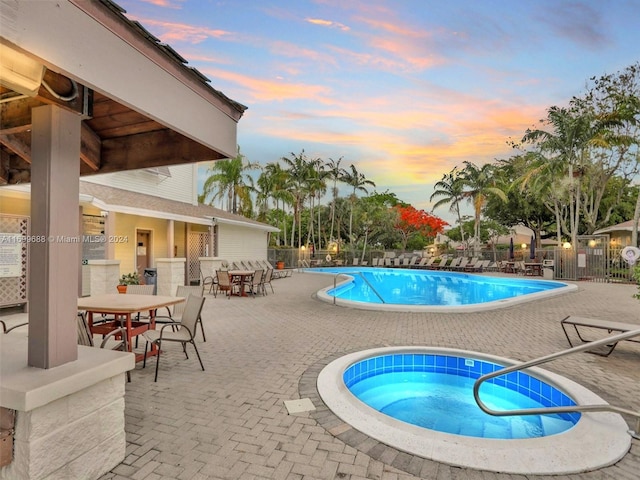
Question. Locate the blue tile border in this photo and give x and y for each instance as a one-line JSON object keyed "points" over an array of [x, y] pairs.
{"points": [[521, 382]]}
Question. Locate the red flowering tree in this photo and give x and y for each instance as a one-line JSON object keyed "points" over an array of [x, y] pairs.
{"points": [[411, 221]]}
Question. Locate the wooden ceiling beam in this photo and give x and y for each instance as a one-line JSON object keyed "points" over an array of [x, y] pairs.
{"points": [[90, 147], [19, 144], [153, 149]]}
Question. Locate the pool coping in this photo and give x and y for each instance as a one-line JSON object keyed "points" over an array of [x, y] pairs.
{"points": [[323, 295], [579, 449]]}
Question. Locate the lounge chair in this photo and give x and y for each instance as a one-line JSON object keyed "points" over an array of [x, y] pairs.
{"points": [[442, 265], [184, 334], [374, 262], [453, 264], [461, 264], [601, 325], [478, 266]]}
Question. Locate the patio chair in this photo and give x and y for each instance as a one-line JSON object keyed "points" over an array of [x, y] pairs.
{"points": [[268, 275], [139, 290], [109, 341], [224, 283], [175, 316], [207, 281], [6, 329], [184, 334], [254, 283]]}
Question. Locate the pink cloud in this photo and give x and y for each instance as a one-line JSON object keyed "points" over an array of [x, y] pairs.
{"points": [[328, 23], [261, 90]]}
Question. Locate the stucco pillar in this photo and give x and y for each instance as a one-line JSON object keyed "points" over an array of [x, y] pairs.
{"points": [[54, 243], [103, 276], [171, 274], [209, 265]]}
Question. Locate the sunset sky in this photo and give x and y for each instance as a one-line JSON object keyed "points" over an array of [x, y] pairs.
{"points": [[405, 90]]}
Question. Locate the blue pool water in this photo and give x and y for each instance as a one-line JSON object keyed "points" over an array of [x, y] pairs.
{"points": [[427, 287], [436, 392]]}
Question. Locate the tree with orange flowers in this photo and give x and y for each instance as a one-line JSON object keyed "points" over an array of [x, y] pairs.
{"points": [[411, 221]]}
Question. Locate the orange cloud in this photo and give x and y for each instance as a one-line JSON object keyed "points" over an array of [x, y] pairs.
{"points": [[261, 90]]}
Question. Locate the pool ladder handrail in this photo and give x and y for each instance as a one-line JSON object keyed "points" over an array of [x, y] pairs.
{"points": [[335, 282], [567, 409]]}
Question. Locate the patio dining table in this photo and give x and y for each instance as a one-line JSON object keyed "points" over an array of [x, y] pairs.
{"points": [[240, 277], [123, 307]]}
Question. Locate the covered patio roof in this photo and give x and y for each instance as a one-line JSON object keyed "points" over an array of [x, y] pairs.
{"points": [[142, 106]]}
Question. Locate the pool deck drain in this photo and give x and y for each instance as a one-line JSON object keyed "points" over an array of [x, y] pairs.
{"points": [[302, 405]]}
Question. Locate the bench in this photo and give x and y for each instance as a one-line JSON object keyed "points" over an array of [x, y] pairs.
{"points": [[617, 327]]}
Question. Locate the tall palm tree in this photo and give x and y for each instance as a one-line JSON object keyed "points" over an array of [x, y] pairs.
{"points": [[228, 180], [278, 180], [450, 191], [567, 144], [336, 174], [479, 183], [299, 170], [358, 182]]}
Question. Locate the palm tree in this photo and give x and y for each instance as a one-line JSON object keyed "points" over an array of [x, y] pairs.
{"points": [[567, 144], [228, 180], [277, 180], [450, 191], [336, 174], [299, 170], [358, 182], [479, 183]]}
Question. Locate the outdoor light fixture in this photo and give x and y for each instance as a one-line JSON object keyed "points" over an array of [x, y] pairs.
{"points": [[566, 245], [524, 246], [20, 72]]}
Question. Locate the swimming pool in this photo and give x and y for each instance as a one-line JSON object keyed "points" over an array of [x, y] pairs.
{"points": [[427, 290], [576, 449]]}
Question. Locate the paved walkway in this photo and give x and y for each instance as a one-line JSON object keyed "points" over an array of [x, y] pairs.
{"points": [[230, 422]]}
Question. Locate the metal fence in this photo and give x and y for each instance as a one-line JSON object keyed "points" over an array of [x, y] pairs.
{"points": [[593, 259]]}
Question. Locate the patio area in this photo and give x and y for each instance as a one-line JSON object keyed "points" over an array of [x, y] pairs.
{"points": [[230, 421]]}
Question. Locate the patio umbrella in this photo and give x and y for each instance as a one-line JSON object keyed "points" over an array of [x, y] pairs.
{"points": [[532, 249], [511, 254]]}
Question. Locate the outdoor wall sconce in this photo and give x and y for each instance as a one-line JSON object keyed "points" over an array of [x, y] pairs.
{"points": [[566, 245]]}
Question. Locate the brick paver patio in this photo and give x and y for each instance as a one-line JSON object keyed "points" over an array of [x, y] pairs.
{"points": [[230, 422]]}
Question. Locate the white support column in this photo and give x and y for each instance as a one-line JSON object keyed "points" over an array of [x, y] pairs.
{"points": [[171, 241], [109, 231], [54, 255]]}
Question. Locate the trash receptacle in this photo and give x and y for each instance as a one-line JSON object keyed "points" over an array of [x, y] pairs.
{"points": [[151, 277], [547, 269]]}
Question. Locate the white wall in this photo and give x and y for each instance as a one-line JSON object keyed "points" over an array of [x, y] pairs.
{"points": [[239, 243], [180, 186]]}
